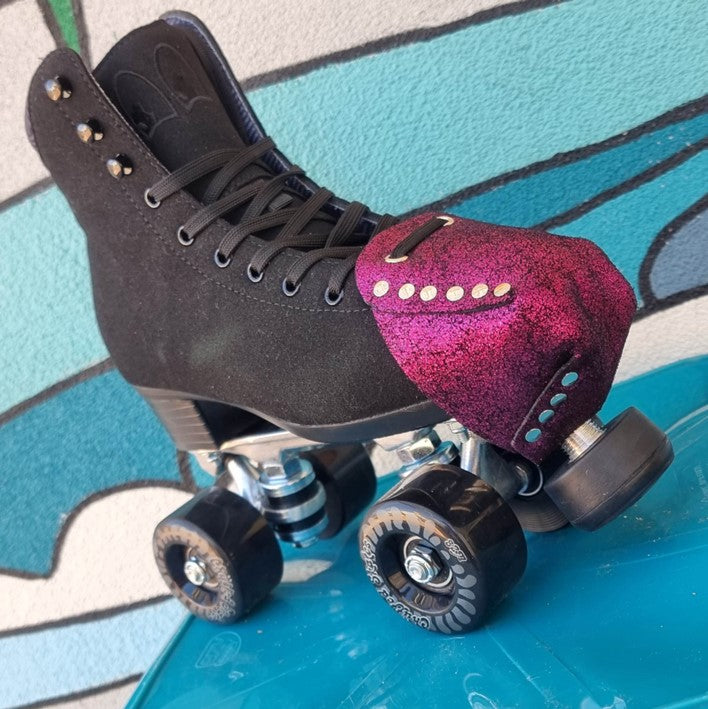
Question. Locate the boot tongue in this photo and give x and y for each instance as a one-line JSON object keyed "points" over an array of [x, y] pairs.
{"points": [[156, 79]]}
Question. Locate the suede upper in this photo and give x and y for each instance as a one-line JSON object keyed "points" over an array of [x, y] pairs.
{"points": [[173, 320]]}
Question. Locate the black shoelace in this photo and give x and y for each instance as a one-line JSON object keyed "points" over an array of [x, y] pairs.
{"points": [[263, 214]]}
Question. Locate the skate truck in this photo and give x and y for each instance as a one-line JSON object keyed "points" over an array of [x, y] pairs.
{"points": [[281, 334]]}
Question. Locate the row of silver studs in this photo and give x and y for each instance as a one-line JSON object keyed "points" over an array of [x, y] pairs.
{"points": [[533, 434], [58, 89], [428, 293]]}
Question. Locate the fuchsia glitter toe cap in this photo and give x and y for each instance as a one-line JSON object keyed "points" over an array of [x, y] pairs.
{"points": [[515, 333]]}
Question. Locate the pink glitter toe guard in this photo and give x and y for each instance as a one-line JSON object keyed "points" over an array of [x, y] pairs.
{"points": [[523, 367]]}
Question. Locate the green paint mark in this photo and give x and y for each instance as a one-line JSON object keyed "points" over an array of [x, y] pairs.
{"points": [[64, 14]]}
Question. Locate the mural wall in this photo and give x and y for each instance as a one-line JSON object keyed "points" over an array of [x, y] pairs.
{"points": [[584, 117]]}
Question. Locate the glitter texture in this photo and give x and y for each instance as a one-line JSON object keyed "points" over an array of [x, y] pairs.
{"points": [[495, 363]]}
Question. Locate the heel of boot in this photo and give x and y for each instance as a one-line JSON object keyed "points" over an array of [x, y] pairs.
{"points": [[182, 418]]}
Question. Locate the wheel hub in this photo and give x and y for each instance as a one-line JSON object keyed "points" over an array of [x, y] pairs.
{"points": [[195, 570], [420, 563]]}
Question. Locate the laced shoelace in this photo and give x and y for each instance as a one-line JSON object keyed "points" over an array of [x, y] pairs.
{"points": [[404, 247], [260, 215]]}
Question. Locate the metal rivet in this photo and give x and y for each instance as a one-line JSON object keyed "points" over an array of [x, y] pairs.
{"points": [[428, 293], [406, 291], [89, 132], [57, 88], [480, 290], [119, 166], [454, 293], [569, 379], [381, 288], [399, 259], [533, 435], [545, 415], [558, 399], [502, 289]]}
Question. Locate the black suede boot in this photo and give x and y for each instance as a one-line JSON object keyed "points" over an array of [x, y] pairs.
{"points": [[226, 281]]}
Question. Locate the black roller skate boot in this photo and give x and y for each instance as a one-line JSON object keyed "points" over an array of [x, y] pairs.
{"points": [[223, 286]]}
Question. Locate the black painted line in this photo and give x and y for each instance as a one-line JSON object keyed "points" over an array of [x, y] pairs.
{"points": [[675, 115], [51, 21], [423, 34], [75, 511], [102, 367], [81, 31], [89, 617], [83, 694], [185, 471], [27, 192], [660, 240], [623, 187]]}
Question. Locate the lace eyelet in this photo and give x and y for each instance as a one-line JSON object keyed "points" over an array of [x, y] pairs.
{"points": [[289, 289], [253, 275], [220, 260], [333, 301], [150, 200], [184, 238]]}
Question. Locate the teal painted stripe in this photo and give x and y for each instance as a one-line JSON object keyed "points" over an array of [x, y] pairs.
{"points": [[423, 121], [47, 329], [97, 435], [531, 200], [42, 665], [625, 227]]}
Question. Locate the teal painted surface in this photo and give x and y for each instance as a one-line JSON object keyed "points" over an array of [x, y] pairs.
{"points": [[97, 435], [47, 312], [532, 199], [625, 227], [83, 655], [617, 618], [425, 120]]}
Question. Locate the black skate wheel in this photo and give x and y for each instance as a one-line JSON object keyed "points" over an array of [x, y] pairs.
{"points": [[349, 481], [218, 555], [442, 548], [612, 473]]}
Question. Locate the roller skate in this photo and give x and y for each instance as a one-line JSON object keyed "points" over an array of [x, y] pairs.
{"points": [[280, 333]]}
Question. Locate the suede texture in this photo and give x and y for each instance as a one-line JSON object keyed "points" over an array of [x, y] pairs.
{"points": [[173, 320], [514, 332]]}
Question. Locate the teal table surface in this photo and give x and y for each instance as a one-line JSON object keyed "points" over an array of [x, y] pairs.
{"points": [[617, 618]]}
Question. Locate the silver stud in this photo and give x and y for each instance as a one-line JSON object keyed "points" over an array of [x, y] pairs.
{"points": [[381, 288], [119, 166], [89, 132], [480, 290], [533, 435], [502, 289], [428, 293], [569, 378], [57, 88], [545, 415], [454, 293], [406, 291]]}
